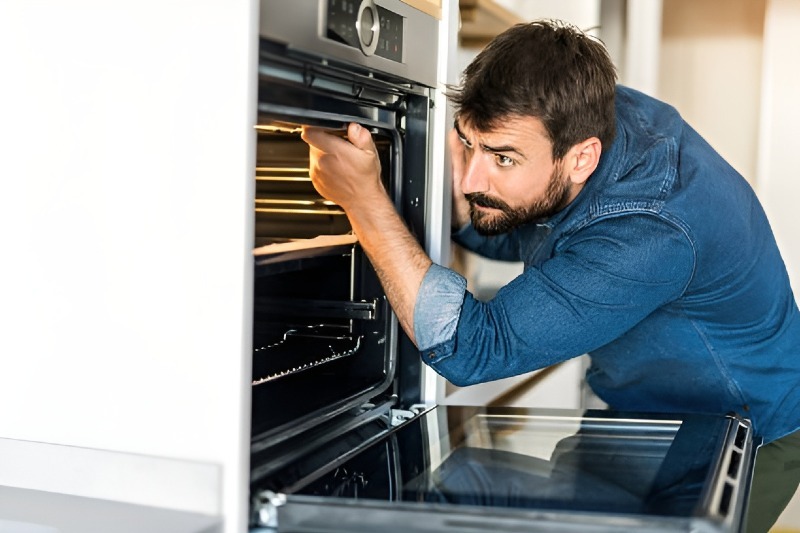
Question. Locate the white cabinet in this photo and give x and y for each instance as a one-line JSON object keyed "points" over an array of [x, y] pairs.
{"points": [[127, 138]]}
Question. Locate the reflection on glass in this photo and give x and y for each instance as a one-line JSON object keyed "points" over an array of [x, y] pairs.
{"points": [[593, 462], [516, 459]]}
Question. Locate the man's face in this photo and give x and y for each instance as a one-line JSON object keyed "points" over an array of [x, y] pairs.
{"points": [[510, 177]]}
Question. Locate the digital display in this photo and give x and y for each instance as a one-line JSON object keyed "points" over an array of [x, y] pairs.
{"points": [[390, 43]]}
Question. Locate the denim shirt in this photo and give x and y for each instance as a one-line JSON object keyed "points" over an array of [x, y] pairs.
{"points": [[664, 270]]}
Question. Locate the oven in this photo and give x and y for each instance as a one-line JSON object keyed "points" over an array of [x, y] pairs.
{"points": [[325, 340], [341, 440]]}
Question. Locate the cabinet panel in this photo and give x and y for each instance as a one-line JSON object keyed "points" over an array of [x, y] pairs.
{"points": [[431, 7]]}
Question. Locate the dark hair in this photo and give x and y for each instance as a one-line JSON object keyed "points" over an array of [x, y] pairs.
{"points": [[546, 69]]}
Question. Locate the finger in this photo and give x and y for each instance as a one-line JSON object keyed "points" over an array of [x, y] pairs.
{"points": [[360, 137], [307, 133], [321, 138]]}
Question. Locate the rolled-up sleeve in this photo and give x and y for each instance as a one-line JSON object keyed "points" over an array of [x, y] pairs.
{"points": [[438, 307]]}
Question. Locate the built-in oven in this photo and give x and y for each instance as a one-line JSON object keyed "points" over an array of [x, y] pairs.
{"points": [[325, 340], [340, 438]]}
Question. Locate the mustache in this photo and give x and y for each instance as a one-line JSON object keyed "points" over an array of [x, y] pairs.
{"points": [[484, 200]]}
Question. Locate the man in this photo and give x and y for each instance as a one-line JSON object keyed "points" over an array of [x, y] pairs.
{"points": [[642, 247]]}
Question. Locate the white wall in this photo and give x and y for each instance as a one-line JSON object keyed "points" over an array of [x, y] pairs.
{"points": [[778, 176], [126, 166], [711, 70], [729, 66], [583, 13]]}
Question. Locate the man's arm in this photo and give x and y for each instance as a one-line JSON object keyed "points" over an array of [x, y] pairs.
{"points": [[348, 174]]}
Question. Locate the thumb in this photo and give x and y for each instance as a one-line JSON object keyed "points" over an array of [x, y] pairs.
{"points": [[360, 137]]}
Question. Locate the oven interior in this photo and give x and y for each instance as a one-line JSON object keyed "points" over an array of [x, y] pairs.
{"points": [[329, 360], [287, 206], [321, 320]]}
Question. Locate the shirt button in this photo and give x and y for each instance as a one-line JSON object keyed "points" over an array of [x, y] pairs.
{"points": [[431, 355]]}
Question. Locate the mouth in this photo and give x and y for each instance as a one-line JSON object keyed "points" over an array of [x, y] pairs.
{"points": [[482, 206], [485, 203], [484, 211]]}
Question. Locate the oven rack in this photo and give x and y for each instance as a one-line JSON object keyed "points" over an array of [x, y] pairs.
{"points": [[302, 349], [300, 307], [302, 259], [298, 205]]}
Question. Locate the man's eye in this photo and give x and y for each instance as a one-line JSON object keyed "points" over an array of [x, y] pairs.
{"points": [[465, 142], [503, 160]]}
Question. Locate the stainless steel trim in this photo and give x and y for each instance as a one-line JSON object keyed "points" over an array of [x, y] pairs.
{"points": [[301, 25], [321, 515], [730, 484]]}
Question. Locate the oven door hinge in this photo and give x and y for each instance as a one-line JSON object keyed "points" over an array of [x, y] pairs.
{"points": [[264, 511], [400, 416]]}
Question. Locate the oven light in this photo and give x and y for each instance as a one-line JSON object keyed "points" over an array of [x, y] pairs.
{"points": [[297, 207], [282, 174], [288, 202], [280, 178], [299, 170], [279, 128]]}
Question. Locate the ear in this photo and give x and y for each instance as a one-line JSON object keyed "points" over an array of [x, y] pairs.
{"points": [[582, 159]]}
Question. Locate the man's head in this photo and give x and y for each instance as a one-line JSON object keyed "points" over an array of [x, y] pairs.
{"points": [[545, 91], [545, 69]]}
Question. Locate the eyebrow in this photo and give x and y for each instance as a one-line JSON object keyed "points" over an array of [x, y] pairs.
{"points": [[491, 149]]}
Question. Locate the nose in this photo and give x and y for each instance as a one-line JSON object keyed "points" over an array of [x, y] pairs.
{"points": [[475, 177]]}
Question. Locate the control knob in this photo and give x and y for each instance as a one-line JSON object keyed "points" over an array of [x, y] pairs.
{"points": [[368, 27]]}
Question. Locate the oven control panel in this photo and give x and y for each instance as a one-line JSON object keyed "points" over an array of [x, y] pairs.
{"points": [[364, 25]]}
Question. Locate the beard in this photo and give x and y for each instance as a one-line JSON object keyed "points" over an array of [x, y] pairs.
{"points": [[555, 198]]}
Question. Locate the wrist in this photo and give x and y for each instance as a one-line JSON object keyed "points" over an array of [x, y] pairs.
{"points": [[367, 199]]}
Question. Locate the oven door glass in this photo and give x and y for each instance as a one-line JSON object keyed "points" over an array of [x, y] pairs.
{"points": [[511, 469]]}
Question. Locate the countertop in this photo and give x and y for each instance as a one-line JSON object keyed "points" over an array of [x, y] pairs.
{"points": [[32, 511]]}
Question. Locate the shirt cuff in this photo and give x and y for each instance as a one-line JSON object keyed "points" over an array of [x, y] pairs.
{"points": [[438, 306]]}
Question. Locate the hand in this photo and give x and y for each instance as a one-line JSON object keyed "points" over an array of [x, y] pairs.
{"points": [[458, 158], [341, 171], [348, 173]]}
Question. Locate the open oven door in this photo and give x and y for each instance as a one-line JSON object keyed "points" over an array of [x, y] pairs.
{"points": [[469, 469]]}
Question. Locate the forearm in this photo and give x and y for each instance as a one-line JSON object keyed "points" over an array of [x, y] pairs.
{"points": [[397, 257]]}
